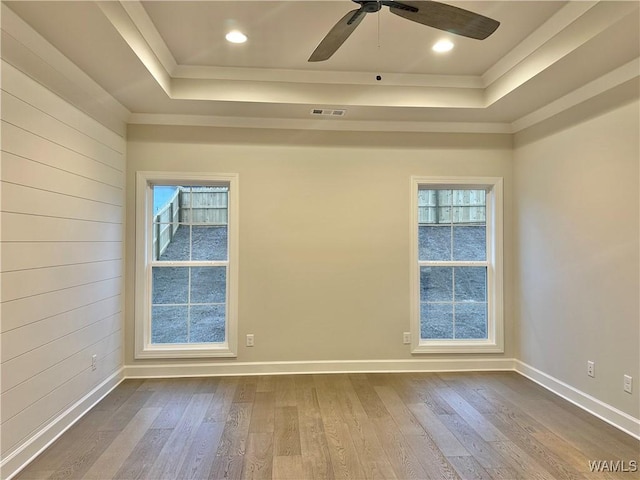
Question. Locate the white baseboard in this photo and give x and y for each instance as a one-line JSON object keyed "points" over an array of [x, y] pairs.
{"points": [[604, 411], [25, 453], [343, 366]]}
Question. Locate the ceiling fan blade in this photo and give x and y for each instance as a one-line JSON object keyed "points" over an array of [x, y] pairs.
{"points": [[337, 35], [446, 17]]}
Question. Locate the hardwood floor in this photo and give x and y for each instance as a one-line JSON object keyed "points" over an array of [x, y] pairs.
{"points": [[358, 426]]}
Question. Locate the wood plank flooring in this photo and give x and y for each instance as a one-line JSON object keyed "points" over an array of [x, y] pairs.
{"points": [[355, 426]]}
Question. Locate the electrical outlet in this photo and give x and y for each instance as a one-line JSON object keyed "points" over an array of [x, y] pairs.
{"points": [[591, 368], [628, 384], [250, 340], [94, 362], [406, 338]]}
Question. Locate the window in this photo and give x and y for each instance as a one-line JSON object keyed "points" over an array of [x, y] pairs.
{"points": [[186, 265], [456, 265]]}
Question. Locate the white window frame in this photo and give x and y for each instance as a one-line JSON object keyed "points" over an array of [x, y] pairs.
{"points": [[494, 343], [144, 239]]}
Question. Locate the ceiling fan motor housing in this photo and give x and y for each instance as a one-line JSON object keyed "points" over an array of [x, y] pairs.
{"points": [[372, 6]]}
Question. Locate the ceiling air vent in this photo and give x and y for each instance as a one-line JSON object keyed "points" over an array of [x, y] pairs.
{"points": [[328, 112]]}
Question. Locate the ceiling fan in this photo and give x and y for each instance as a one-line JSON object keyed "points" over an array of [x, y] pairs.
{"points": [[433, 14]]}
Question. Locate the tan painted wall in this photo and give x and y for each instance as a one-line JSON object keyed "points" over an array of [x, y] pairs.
{"points": [[576, 226], [324, 229]]}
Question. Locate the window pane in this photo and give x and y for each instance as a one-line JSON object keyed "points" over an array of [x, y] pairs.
{"points": [[208, 243], [436, 320], [208, 205], [445, 197], [174, 242], [440, 317], [436, 284], [434, 215], [170, 285], [471, 321], [166, 209], [426, 215], [208, 284], [469, 215], [451, 206], [426, 198], [469, 197], [207, 324], [443, 215], [434, 242], [190, 223], [434, 206], [165, 203], [169, 324], [470, 284], [469, 243]]}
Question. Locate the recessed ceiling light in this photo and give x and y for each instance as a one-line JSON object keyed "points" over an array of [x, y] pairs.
{"points": [[442, 46], [236, 36]]}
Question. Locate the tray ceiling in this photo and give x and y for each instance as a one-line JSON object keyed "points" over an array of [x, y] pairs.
{"points": [[168, 61]]}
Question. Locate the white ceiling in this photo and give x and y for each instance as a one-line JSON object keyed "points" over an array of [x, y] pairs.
{"points": [[283, 35], [168, 62]]}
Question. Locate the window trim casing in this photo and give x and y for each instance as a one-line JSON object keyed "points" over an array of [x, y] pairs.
{"points": [[144, 215], [495, 303]]}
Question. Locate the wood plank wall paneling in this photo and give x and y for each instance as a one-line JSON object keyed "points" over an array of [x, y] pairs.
{"points": [[41, 151], [62, 215], [50, 329], [26, 255], [26, 311], [30, 200], [31, 228]]}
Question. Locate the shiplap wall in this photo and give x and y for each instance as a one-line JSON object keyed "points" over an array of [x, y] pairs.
{"points": [[62, 212]]}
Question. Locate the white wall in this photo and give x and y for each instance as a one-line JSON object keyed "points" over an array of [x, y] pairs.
{"points": [[324, 230], [576, 228], [62, 211]]}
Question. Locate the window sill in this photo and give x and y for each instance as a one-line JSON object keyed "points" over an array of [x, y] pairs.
{"points": [[452, 346], [185, 351]]}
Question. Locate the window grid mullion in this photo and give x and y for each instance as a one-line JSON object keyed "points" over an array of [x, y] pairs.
{"points": [[190, 259], [453, 263], [189, 308], [183, 304], [453, 306], [187, 263]]}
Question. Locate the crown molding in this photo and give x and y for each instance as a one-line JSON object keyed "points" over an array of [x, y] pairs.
{"points": [[143, 23], [319, 124], [324, 94], [326, 77], [130, 33], [586, 24], [545, 33], [598, 86]]}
